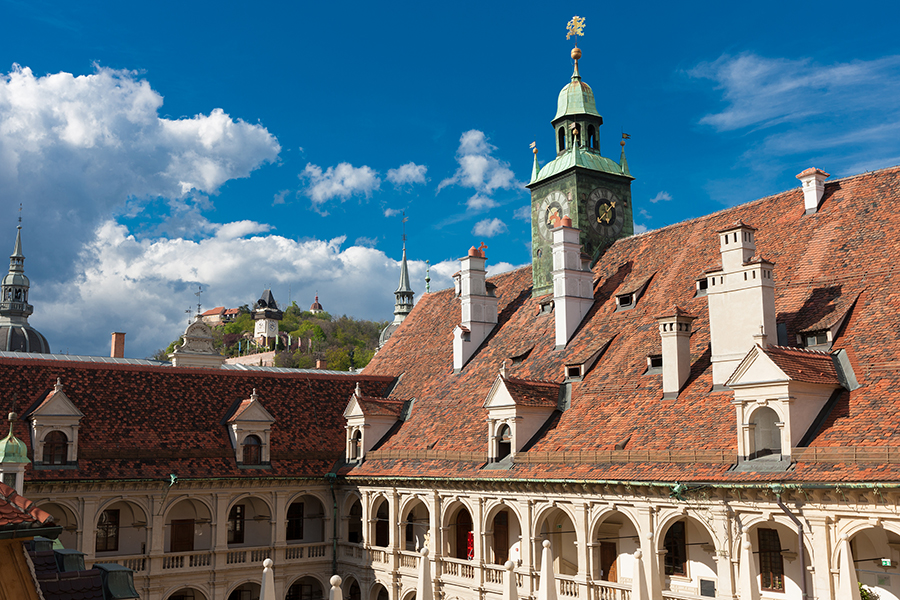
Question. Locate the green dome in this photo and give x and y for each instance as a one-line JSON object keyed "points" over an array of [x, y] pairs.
{"points": [[12, 449], [576, 98]]}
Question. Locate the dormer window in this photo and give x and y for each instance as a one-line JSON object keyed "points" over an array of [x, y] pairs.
{"points": [[54, 426], [56, 448], [702, 285], [250, 428], [517, 409], [624, 301], [816, 339], [368, 420], [546, 306], [654, 364], [573, 371]]}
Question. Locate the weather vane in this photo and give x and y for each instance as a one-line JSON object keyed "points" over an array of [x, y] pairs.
{"points": [[575, 28], [197, 293]]}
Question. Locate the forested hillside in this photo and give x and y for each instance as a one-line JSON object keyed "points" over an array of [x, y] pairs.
{"points": [[343, 342]]}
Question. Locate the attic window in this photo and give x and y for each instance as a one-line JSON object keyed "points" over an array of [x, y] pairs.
{"points": [[702, 287], [573, 371], [546, 307], [625, 301], [56, 448], [504, 442], [654, 364], [521, 356], [815, 339], [252, 447]]}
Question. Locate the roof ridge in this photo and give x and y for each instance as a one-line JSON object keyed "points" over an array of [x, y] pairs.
{"points": [[801, 350], [530, 381]]}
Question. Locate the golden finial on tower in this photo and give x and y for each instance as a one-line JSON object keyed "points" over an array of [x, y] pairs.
{"points": [[533, 146], [575, 28]]}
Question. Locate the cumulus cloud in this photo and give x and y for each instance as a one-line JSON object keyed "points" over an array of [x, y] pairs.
{"points": [[478, 169], [409, 173], [645, 214], [661, 197], [479, 203], [342, 181], [489, 227], [143, 286], [523, 213], [392, 212], [279, 197], [638, 228], [73, 149]]}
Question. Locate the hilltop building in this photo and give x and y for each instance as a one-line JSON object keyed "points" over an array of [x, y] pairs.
{"points": [[316, 308], [267, 316], [710, 410]]}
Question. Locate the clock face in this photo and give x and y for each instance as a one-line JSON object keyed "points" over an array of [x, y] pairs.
{"points": [[551, 210], [606, 212], [260, 328], [272, 326]]}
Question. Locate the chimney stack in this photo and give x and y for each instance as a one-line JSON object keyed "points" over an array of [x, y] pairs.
{"points": [[812, 181], [573, 281], [321, 364], [741, 298], [117, 348], [479, 307], [675, 332]]}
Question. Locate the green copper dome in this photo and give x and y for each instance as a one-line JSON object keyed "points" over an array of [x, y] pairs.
{"points": [[12, 449], [577, 98]]}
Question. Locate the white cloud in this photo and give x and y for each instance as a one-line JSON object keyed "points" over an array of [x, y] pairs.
{"points": [[523, 213], [368, 242], [480, 203], [279, 197], [477, 168], [392, 212], [638, 228], [143, 286], [645, 214], [74, 149], [407, 174], [341, 181], [762, 92], [489, 227], [661, 197]]}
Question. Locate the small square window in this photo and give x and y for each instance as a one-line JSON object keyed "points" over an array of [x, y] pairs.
{"points": [[655, 361], [573, 371]]}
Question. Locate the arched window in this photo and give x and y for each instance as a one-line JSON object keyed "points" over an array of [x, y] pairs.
{"points": [[771, 563], [354, 525], [355, 445], [307, 588], [504, 442], [766, 433], [465, 540], [592, 138], [252, 450], [295, 521], [562, 139], [576, 135], [382, 525], [236, 524], [56, 446], [676, 552], [107, 531]]}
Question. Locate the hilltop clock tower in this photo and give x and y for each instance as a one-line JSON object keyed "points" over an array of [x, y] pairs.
{"points": [[594, 191], [267, 315]]}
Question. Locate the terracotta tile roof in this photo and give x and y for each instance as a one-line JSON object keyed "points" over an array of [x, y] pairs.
{"points": [[380, 407], [214, 311], [17, 511], [800, 364], [533, 393], [735, 225], [846, 245], [232, 311], [245, 403], [144, 422]]}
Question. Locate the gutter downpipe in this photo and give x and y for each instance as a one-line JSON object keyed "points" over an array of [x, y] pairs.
{"points": [[799, 525]]}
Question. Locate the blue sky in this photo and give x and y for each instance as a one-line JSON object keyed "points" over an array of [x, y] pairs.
{"points": [[158, 146]]}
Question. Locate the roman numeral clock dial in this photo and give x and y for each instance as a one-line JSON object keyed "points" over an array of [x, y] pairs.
{"points": [[551, 211]]}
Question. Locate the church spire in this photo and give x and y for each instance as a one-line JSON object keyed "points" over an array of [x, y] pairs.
{"points": [[623, 162], [404, 295], [16, 335]]}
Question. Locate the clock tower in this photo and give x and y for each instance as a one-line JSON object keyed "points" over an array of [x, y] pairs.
{"points": [[594, 191], [267, 315]]}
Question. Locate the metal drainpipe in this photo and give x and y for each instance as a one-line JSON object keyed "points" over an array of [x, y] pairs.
{"points": [[800, 537], [334, 524]]}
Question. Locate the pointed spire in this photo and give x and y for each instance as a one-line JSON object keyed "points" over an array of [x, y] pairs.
{"points": [[623, 162], [536, 169], [427, 276], [404, 274]]}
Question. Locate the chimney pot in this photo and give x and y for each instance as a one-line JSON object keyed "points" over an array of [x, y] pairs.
{"points": [[117, 348], [566, 221], [321, 364], [812, 182]]}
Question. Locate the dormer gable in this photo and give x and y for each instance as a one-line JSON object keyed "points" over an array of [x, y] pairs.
{"points": [[369, 419], [517, 409], [250, 429], [54, 429], [778, 393]]}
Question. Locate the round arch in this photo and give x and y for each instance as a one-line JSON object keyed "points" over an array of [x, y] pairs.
{"points": [[408, 501], [350, 497], [325, 585], [379, 529], [121, 528], [379, 590], [452, 508], [556, 524], [409, 594], [66, 517], [306, 516], [186, 592], [415, 523], [315, 494], [198, 499], [783, 564], [676, 515], [504, 532], [686, 547], [246, 584], [255, 497], [614, 536], [139, 502], [188, 525]]}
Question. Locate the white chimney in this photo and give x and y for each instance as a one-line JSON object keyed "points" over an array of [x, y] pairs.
{"points": [[675, 334], [479, 308], [812, 181], [573, 281], [741, 298]]}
